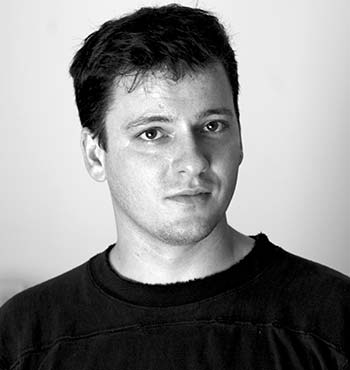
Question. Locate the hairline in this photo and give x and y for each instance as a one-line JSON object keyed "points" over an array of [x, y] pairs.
{"points": [[158, 72]]}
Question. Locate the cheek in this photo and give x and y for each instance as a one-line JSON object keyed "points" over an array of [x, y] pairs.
{"points": [[227, 158], [132, 172], [225, 166]]}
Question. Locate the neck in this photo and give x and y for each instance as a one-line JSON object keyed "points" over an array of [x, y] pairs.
{"points": [[151, 261]]}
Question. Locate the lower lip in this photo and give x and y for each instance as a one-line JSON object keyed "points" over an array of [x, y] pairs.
{"points": [[191, 199]]}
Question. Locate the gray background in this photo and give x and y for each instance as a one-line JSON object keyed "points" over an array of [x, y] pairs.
{"points": [[294, 180]]}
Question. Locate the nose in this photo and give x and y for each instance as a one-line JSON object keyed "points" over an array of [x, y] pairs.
{"points": [[189, 156]]}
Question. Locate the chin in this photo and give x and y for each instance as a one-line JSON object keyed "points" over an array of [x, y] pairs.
{"points": [[186, 233]]}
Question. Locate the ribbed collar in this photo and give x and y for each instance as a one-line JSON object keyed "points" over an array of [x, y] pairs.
{"points": [[261, 256]]}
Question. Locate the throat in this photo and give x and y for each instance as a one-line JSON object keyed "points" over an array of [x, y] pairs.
{"points": [[149, 265]]}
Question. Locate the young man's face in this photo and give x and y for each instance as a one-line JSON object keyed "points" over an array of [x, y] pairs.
{"points": [[173, 155]]}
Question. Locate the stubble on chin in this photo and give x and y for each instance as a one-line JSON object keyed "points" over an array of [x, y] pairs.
{"points": [[179, 234]]}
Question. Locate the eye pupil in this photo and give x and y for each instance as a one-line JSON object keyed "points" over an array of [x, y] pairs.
{"points": [[151, 134], [212, 126]]}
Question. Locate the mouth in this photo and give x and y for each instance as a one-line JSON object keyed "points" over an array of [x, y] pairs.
{"points": [[191, 197]]}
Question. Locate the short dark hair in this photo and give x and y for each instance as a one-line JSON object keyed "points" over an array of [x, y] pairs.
{"points": [[171, 38]]}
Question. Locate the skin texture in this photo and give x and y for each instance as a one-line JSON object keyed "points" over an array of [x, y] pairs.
{"points": [[166, 138]]}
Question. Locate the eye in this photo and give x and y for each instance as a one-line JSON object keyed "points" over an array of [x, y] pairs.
{"points": [[214, 126], [151, 134]]}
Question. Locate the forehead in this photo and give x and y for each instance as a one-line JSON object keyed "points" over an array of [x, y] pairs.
{"points": [[165, 78], [208, 88]]}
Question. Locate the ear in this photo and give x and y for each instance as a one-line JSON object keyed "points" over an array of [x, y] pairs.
{"points": [[241, 157], [94, 156]]}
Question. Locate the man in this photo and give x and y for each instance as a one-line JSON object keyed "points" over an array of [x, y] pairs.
{"points": [[157, 96]]}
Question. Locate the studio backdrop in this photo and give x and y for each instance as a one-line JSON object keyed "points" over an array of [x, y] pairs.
{"points": [[293, 185]]}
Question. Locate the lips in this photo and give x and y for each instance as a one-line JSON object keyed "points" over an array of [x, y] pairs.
{"points": [[191, 192], [191, 199], [191, 196]]}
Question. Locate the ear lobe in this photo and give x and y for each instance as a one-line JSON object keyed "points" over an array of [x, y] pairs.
{"points": [[94, 156]]}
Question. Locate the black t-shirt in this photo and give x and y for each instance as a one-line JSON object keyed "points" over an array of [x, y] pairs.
{"points": [[272, 310]]}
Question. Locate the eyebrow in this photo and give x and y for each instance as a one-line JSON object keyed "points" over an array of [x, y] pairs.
{"points": [[144, 120], [217, 111]]}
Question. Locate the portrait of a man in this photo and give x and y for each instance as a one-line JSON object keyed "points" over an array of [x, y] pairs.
{"points": [[181, 288]]}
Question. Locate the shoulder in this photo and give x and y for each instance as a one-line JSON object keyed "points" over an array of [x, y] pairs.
{"points": [[52, 290], [33, 317], [323, 280], [311, 283], [304, 275], [312, 299]]}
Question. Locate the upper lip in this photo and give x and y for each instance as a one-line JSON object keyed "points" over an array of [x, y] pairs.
{"points": [[194, 191]]}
